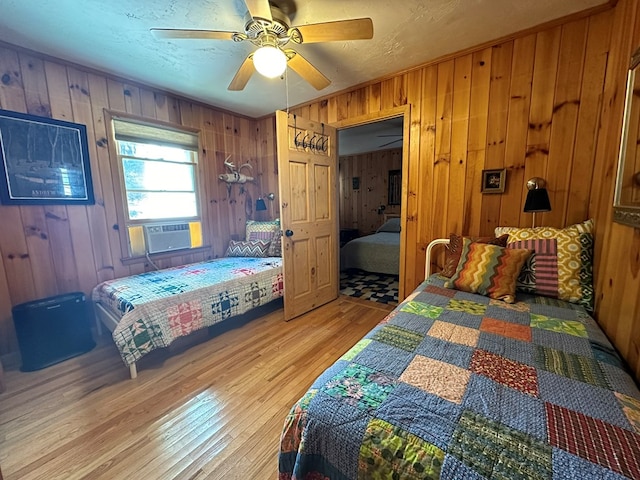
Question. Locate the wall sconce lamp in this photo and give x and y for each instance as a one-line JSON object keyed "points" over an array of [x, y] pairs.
{"points": [[261, 205], [537, 198]]}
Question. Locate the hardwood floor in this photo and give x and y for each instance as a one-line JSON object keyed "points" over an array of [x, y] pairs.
{"points": [[214, 410]]}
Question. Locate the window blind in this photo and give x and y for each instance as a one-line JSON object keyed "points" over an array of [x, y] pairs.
{"points": [[128, 131]]}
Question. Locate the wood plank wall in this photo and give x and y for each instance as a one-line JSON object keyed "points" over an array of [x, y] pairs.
{"points": [[517, 105], [618, 261], [47, 250], [546, 104], [359, 207]]}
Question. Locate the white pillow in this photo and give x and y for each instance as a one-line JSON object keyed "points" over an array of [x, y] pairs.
{"points": [[391, 225]]}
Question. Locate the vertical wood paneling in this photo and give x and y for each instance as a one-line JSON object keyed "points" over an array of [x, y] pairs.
{"points": [[517, 128], [359, 207], [107, 262], [441, 168], [17, 264], [89, 237], [8, 341], [427, 157], [477, 139], [596, 57], [546, 104], [459, 141], [39, 248], [565, 117], [497, 120], [617, 246], [413, 254], [540, 116], [56, 248], [56, 223]]}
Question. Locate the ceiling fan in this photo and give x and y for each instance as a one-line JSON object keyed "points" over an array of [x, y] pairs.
{"points": [[268, 27], [393, 141]]}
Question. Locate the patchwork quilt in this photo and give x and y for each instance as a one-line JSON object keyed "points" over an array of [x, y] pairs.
{"points": [[456, 385], [157, 307]]}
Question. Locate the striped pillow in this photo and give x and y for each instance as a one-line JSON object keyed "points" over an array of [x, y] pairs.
{"points": [[488, 270], [562, 263], [452, 251]]}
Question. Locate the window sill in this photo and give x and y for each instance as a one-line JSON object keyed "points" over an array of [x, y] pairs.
{"points": [[161, 255]]}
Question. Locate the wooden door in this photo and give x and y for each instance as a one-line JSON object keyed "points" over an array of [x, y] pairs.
{"points": [[308, 181]]}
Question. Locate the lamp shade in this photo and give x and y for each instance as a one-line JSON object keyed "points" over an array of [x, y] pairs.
{"points": [[260, 205], [270, 61], [537, 201]]}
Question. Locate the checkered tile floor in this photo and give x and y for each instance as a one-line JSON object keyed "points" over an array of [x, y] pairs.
{"points": [[376, 287]]}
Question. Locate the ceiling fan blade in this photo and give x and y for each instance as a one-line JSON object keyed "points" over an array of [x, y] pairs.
{"points": [[356, 29], [302, 67], [259, 9], [390, 143], [242, 75], [194, 34]]}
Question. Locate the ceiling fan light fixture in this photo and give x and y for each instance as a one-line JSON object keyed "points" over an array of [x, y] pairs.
{"points": [[270, 61]]}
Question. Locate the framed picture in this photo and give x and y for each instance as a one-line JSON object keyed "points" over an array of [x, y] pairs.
{"points": [[43, 161], [493, 181]]}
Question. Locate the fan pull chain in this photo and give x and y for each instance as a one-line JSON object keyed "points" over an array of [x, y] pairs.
{"points": [[286, 86]]}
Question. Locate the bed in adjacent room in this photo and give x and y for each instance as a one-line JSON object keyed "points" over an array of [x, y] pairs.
{"points": [[377, 253], [148, 311], [470, 378]]}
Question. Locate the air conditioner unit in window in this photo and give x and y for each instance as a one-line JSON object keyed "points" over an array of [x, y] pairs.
{"points": [[166, 237]]}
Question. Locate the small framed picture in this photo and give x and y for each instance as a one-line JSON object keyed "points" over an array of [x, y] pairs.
{"points": [[493, 181]]}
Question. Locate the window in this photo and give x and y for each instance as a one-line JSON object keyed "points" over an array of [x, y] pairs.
{"points": [[158, 169], [395, 187], [160, 181]]}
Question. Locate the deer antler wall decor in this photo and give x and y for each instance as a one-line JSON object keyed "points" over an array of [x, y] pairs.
{"points": [[235, 176]]}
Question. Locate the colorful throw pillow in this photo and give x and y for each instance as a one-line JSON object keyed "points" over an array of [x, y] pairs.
{"points": [[267, 231], [261, 230], [562, 263], [488, 270], [247, 248], [454, 249]]}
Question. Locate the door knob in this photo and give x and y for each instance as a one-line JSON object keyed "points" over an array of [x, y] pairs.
{"points": [[288, 233]]}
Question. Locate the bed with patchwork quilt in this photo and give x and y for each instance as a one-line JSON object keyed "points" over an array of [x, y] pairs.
{"points": [[461, 384], [151, 310]]}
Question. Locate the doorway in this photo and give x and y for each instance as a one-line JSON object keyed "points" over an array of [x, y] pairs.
{"points": [[372, 152]]}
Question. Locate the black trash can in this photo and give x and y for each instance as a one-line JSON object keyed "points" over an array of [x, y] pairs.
{"points": [[52, 329]]}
